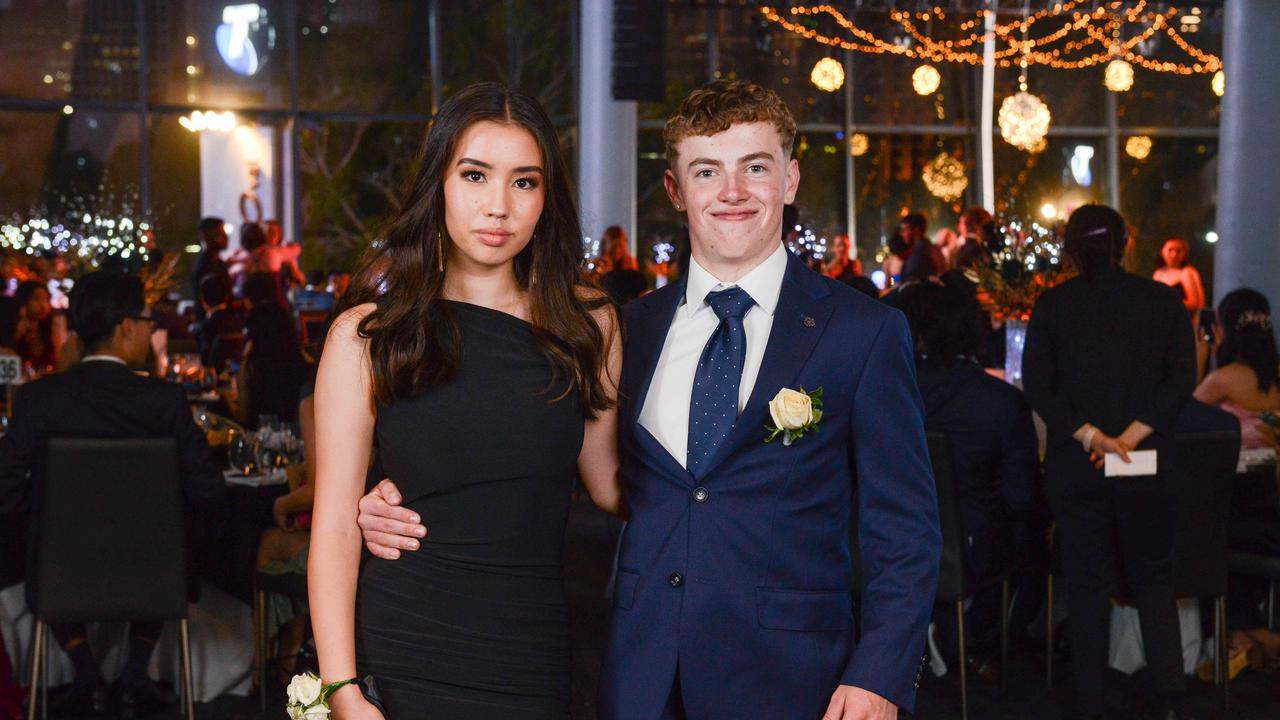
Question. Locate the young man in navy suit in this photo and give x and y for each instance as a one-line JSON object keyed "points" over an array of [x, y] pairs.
{"points": [[732, 597]]}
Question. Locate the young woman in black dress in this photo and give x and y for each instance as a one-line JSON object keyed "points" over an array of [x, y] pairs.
{"points": [[487, 373]]}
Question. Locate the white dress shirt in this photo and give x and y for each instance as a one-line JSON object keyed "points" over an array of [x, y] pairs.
{"points": [[666, 408]]}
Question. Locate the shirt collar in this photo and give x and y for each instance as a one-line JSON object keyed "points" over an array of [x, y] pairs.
{"points": [[763, 283], [103, 358]]}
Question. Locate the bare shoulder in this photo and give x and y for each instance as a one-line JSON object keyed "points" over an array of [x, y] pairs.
{"points": [[345, 327]]}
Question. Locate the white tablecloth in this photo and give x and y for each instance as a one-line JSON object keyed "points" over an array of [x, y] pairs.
{"points": [[221, 645]]}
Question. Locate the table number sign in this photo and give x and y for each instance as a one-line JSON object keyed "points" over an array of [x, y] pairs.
{"points": [[10, 370]]}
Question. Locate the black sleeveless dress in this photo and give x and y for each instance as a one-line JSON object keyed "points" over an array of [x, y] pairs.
{"points": [[473, 626]]}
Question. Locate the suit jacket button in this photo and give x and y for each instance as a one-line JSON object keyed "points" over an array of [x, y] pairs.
{"points": [[701, 495], [676, 579]]}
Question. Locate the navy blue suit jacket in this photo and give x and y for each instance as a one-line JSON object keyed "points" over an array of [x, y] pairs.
{"points": [[748, 592]]}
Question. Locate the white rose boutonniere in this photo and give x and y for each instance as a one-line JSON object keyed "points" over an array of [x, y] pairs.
{"points": [[794, 413], [309, 698]]}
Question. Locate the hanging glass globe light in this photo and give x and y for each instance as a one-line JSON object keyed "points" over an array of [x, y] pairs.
{"points": [[1219, 83], [1024, 120], [926, 79], [1138, 147], [945, 177], [1119, 75], [858, 145], [827, 75]]}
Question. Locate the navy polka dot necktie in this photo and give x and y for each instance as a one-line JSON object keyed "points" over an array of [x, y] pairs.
{"points": [[713, 407]]}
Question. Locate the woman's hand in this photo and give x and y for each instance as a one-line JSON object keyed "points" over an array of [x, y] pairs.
{"points": [[348, 703], [1104, 444]]}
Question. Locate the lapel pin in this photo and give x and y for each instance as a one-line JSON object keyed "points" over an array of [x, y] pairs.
{"points": [[809, 322]]}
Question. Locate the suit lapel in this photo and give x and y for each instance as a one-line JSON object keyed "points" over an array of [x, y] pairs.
{"points": [[798, 321]]}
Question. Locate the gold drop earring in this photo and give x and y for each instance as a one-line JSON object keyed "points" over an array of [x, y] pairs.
{"points": [[440, 254]]}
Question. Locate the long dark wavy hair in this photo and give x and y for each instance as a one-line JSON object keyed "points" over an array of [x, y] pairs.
{"points": [[414, 340], [1247, 336]]}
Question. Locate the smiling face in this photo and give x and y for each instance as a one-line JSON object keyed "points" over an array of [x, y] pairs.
{"points": [[733, 186], [493, 194]]}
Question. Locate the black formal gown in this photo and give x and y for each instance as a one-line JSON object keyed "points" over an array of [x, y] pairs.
{"points": [[474, 624]]}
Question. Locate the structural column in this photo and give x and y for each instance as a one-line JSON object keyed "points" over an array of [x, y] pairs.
{"points": [[1248, 253], [606, 133]]}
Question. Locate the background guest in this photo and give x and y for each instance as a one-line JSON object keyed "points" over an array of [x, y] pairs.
{"points": [[102, 397], [277, 258], [1177, 273], [840, 262], [213, 237], [948, 243], [284, 547], [974, 228], [313, 297], [994, 453], [1247, 385], [1108, 364], [220, 318], [339, 281], [618, 273], [273, 370], [40, 334], [923, 259]]}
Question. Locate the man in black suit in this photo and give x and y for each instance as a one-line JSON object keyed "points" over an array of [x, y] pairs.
{"points": [[219, 317], [1109, 363], [103, 398], [994, 452]]}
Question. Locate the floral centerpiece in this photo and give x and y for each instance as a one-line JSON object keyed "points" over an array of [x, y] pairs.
{"points": [[1027, 261]]}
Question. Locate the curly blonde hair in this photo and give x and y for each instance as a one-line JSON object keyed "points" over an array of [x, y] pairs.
{"points": [[719, 105]]}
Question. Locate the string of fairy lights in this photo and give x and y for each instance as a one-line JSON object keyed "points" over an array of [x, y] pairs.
{"points": [[1067, 35]]}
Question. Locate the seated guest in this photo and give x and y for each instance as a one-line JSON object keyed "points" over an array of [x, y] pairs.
{"points": [[284, 547], [1247, 384], [339, 281], [273, 370], [994, 450], [220, 318], [314, 297], [101, 397], [40, 333]]}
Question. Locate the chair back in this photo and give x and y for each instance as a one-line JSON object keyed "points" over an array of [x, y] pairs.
{"points": [[951, 579], [312, 325], [1201, 474], [951, 585], [109, 532]]}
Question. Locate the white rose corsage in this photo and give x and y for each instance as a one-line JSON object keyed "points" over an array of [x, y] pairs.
{"points": [[309, 698], [794, 413]]}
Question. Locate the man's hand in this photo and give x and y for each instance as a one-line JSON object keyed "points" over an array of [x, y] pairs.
{"points": [[854, 703], [386, 527]]}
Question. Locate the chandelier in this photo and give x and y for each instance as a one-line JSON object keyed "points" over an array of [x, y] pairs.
{"points": [[1024, 120], [827, 75], [1118, 76], [945, 177], [1138, 147], [926, 79]]}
